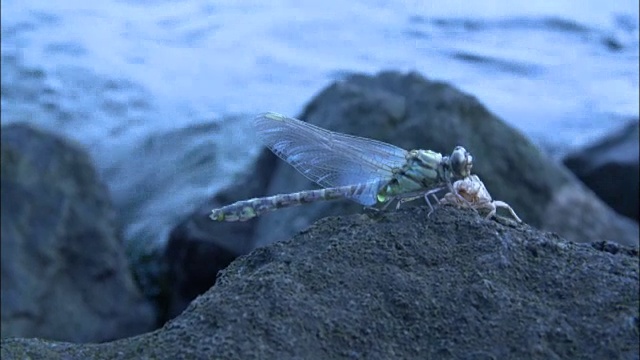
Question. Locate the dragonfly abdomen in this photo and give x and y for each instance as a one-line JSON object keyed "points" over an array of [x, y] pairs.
{"points": [[248, 209]]}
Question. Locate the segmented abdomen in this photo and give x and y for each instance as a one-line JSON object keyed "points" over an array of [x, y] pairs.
{"points": [[248, 209]]}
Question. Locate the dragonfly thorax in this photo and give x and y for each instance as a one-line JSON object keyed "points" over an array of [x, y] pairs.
{"points": [[424, 169]]}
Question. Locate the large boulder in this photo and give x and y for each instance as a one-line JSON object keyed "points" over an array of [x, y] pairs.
{"points": [[413, 112], [400, 285], [611, 169], [64, 270], [192, 260], [198, 248]]}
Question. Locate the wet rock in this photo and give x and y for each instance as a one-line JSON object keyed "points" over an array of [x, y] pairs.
{"points": [[412, 112], [610, 168], [64, 271], [400, 285]]}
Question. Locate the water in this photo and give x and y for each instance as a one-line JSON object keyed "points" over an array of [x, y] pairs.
{"points": [[160, 91]]}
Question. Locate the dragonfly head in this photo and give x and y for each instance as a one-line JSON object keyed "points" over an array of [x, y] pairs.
{"points": [[460, 162]]}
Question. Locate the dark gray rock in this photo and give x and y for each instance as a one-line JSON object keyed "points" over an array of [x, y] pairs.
{"points": [[401, 286], [413, 112], [64, 271], [193, 262], [198, 247], [611, 169]]}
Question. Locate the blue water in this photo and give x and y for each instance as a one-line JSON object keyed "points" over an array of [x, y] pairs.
{"points": [[159, 92]]}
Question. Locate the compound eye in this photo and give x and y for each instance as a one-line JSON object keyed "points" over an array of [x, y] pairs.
{"points": [[461, 162]]}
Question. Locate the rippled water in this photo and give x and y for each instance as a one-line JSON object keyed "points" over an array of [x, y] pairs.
{"points": [[149, 86]]}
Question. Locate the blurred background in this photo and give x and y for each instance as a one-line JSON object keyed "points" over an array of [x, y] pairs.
{"points": [[160, 93]]}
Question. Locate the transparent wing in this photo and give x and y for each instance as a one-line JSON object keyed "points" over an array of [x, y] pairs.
{"points": [[328, 158]]}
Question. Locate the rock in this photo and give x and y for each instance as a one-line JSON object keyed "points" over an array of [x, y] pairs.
{"points": [[198, 248], [400, 285], [64, 271], [413, 112], [561, 217], [193, 263], [610, 168]]}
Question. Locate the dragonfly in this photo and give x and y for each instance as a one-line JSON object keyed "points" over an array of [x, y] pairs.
{"points": [[363, 170]]}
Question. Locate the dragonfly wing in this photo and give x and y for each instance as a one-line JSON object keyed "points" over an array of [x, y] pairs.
{"points": [[328, 158]]}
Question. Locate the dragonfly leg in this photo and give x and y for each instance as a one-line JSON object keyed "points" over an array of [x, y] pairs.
{"points": [[504, 205], [372, 212], [406, 199], [432, 192], [400, 199], [417, 195], [435, 198], [371, 208], [386, 205], [413, 196]]}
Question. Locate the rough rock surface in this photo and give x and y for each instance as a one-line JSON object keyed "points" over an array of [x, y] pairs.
{"points": [[64, 271], [611, 168], [413, 112], [400, 285]]}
